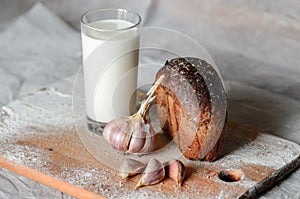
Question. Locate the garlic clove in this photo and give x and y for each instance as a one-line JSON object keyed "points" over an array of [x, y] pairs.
{"points": [[138, 138], [116, 133], [108, 129], [176, 170], [153, 174], [150, 142], [130, 167]]}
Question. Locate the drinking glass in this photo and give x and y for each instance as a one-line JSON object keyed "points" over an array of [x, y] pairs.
{"points": [[110, 53]]}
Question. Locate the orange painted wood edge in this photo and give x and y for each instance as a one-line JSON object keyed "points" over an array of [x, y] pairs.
{"points": [[48, 180]]}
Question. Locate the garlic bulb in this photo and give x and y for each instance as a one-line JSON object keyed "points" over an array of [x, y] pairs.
{"points": [[133, 134], [153, 174]]}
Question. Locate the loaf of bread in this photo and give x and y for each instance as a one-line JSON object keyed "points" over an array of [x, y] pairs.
{"points": [[192, 107]]}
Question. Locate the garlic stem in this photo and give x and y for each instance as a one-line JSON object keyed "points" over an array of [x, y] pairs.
{"points": [[146, 103]]}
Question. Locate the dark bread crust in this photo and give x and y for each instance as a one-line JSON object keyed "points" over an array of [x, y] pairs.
{"points": [[190, 102]]}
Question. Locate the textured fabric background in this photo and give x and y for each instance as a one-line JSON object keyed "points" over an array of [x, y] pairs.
{"points": [[255, 44]]}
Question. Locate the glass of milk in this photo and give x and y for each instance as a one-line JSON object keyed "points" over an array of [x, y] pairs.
{"points": [[110, 43]]}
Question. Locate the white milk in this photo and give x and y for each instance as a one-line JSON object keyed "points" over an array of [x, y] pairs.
{"points": [[110, 62]]}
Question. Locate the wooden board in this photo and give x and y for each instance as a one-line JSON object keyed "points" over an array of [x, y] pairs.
{"points": [[39, 139]]}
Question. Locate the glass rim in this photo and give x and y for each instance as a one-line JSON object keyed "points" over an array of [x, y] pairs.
{"points": [[107, 29]]}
